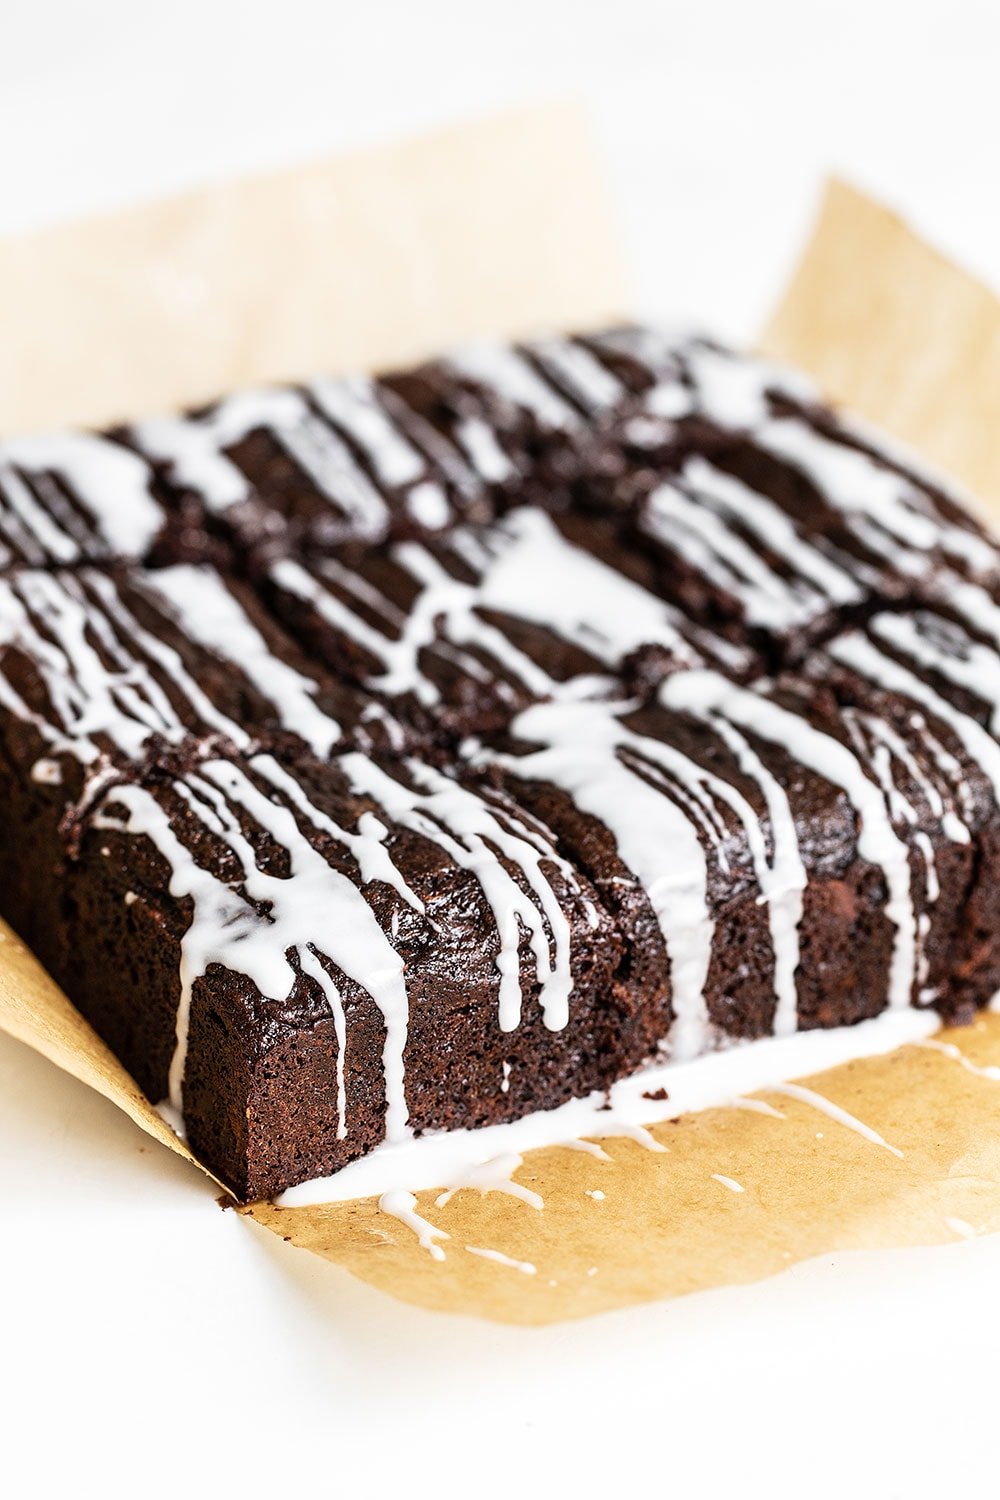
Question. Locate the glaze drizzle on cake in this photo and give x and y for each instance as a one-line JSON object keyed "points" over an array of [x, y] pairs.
{"points": [[392, 755]]}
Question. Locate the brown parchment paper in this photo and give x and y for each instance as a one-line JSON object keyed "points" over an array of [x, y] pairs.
{"points": [[873, 313]]}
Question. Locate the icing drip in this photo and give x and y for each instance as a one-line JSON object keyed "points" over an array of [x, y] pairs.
{"points": [[213, 616], [402, 1206], [707, 693], [949, 1050], [728, 1182], [479, 839], [816, 581], [506, 372], [589, 753], [354, 405], [56, 623], [863, 656], [656, 839], [437, 1159], [535, 574], [112, 483], [571, 366], [782, 878], [524, 1266], [196, 448], [887, 502], [495, 1176], [107, 676], [747, 544], [833, 1112]]}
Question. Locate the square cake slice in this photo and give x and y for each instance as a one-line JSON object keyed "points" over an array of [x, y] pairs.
{"points": [[765, 513], [460, 632], [793, 857], [308, 958]]}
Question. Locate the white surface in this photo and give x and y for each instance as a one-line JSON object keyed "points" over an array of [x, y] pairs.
{"points": [[861, 1375]]}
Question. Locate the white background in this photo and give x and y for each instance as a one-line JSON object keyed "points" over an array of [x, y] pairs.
{"points": [[150, 1342]]}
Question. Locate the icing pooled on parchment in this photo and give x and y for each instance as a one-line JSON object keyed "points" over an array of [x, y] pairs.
{"points": [[447, 1158]]}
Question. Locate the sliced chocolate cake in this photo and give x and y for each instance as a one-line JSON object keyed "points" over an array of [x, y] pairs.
{"points": [[399, 754]]}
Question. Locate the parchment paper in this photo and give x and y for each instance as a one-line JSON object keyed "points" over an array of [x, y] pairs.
{"points": [[879, 318]]}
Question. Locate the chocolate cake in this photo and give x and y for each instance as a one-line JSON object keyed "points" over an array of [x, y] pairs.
{"points": [[381, 756]]}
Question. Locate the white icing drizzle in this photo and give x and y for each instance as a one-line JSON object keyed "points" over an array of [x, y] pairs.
{"points": [[862, 655], [725, 534], [590, 1148], [932, 886], [402, 1206], [590, 383], [728, 1182], [474, 835], [479, 445], [505, 371], [858, 486], [211, 615], [111, 482], [54, 621], [354, 405], [536, 574], [660, 839], [783, 878], [732, 390], [196, 450], [526, 570], [524, 1266], [708, 693], [313, 899], [312, 966], [656, 839], [834, 1112], [120, 690], [47, 772], [949, 1050], [494, 1176], [778, 602], [757, 1107]]}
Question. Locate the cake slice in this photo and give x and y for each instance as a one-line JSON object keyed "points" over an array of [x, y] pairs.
{"points": [[791, 860], [922, 688], [766, 514], [462, 631], [309, 958]]}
